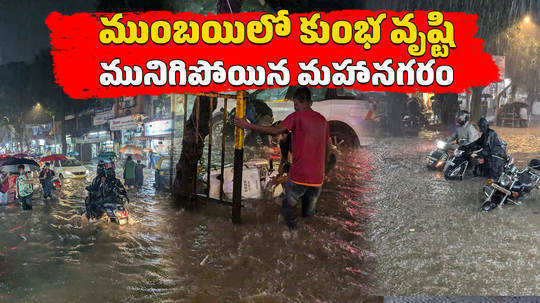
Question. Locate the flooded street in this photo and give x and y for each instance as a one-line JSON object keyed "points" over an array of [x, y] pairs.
{"points": [[167, 254], [431, 238]]}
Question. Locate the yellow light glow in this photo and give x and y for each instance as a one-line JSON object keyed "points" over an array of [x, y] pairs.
{"points": [[527, 19]]}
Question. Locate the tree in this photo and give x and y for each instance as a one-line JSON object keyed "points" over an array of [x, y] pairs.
{"points": [[15, 100]]}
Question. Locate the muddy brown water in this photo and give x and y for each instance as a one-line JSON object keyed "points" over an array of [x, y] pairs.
{"points": [[167, 254], [428, 233], [385, 225]]}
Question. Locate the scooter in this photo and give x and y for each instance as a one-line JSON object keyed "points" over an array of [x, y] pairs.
{"points": [[111, 212], [511, 185], [116, 212]]}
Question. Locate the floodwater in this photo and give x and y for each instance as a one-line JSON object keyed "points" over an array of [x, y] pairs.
{"points": [[167, 254], [428, 233], [385, 225]]}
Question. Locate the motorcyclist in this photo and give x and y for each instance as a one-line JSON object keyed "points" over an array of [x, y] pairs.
{"points": [[465, 132], [113, 187], [493, 153], [105, 188]]}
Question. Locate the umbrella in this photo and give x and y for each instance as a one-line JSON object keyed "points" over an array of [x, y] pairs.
{"points": [[131, 150], [12, 165], [20, 156], [5, 158], [53, 158]]}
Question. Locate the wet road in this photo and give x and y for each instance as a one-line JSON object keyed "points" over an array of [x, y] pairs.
{"points": [[430, 237], [166, 255]]}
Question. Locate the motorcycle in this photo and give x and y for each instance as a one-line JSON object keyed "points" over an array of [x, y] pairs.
{"points": [[511, 185], [458, 164], [110, 212], [456, 167], [116, 212], [436, 159]]}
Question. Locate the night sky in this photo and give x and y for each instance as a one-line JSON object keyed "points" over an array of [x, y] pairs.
{"points": [[22, 25]]}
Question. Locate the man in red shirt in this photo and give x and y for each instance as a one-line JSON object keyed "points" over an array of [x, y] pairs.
{"points": [[310, 137]]}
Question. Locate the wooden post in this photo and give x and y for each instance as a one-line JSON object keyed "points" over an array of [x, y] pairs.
{"points": [[238, 160]]}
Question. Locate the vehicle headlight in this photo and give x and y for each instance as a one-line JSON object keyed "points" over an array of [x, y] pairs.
{"points": [[67, 173], [505, 180], [440, 144], [87, 171]]}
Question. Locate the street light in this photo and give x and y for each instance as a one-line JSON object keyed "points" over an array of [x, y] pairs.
{"points": [[39, 108], [527, 19]]}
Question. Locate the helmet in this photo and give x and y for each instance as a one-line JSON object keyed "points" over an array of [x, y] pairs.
{"points": [[483, 125], [463, 117]]}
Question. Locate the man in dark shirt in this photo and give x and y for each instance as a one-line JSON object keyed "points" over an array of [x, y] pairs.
{"points": [[310, 136], [493, 150], [46, 176]]}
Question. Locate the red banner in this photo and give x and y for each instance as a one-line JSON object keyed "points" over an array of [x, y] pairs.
{"points": [[112, 55]]}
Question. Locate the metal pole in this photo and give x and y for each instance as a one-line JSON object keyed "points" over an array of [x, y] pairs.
{"points": [[209, 159], [222, 179], [238, 160]]}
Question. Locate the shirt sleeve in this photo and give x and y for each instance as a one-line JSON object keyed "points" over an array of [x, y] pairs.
{"points": [[290, 122]]}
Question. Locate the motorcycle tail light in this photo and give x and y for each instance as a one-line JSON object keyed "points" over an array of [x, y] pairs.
{"points": [[515, 194], [490, 181]]}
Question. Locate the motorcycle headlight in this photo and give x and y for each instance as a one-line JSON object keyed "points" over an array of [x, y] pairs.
{"points": [[440, 144], [505, 180]]}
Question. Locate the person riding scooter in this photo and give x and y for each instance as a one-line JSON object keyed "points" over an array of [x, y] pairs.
{"points": [[105, 188], [492, 157], [465, 132]]}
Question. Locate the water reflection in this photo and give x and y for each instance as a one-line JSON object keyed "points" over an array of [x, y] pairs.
{"points": [[167, 254]]}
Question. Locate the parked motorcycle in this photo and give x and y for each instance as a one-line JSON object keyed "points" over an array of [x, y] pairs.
{"points": [[437, 158], [511, 185]]}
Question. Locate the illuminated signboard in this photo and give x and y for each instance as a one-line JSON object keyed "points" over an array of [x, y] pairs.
{"points": [[158, 128]]}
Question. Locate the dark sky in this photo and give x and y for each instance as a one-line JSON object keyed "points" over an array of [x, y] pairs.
{"points": [[22, 25]]}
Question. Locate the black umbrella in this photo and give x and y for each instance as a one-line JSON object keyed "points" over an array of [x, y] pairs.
{"points": [[12, 164]]}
